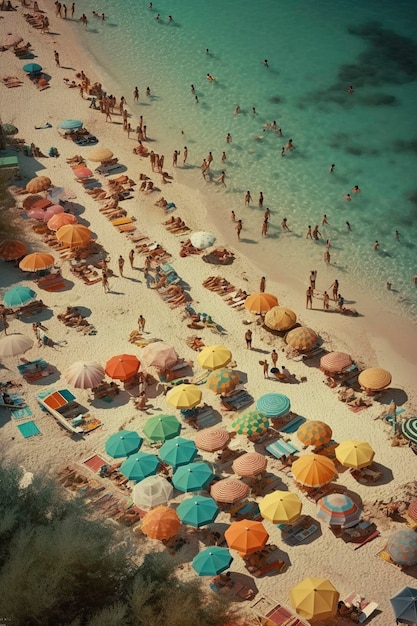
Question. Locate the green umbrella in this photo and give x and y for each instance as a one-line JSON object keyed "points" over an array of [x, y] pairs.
{"points": [[139, 466], [123, 443], [178, 451], [212, 561], [198, 511], [162, 427], [192, 477], [251, 423]]}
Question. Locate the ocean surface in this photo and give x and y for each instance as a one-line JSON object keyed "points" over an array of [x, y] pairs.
{"points": [[315, 51]]}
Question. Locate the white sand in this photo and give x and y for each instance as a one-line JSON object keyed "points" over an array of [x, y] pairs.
{"points": [[377, 338]]}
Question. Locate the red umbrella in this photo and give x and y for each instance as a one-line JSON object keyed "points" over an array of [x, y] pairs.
{"points": [[43, 204], [82, 172], [11, 249], [122, 366]]}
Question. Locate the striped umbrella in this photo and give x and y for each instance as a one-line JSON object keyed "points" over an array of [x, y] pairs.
{"points": [[337, 509], [192, 477], [212, 439], [409, 428], [412, 510], [11, 249], [139, 466], [261, 302], [161, 523], [402, 547], [301, 339], [246, 536], [281, 507], [212, 561], [374, 378], [273, 404], [251, 423], [354, 453], [335, 362], [314, 433], [280, 318], [222, 380], [198, 511], [178, 451], [229, 490], [250, 464], [313, 470]]}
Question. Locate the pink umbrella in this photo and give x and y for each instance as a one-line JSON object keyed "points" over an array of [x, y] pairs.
{"points": [[61, 219], [36, 214], [82, 172], [55, 209]]}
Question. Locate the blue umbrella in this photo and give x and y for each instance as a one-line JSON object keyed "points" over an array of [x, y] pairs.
{"points": [[178, 451], [212, 561], [404, 605], [123, 443], [402, 547], [18, 296], [192, 477], [31, 68], [273, 404], [198, 511], [139, 466], [71, 124]]}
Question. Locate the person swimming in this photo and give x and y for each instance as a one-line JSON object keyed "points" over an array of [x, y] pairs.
{"points": [[210, 77]]}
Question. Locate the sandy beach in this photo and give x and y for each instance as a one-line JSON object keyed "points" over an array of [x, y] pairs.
{"points": [[375, 338]]}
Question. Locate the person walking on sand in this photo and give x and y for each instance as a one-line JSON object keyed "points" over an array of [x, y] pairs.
{"points": [[184, 155], [262, 284], [335, 288], [121, 263], [327, 256], [239, 227], [248, 339], [265, 367], [316, 232], [261, 200], [340, 302], [131, 257], [274, 357], [105, 283], [265, 226], [326, 301], [141, 323], [313, 278], [72, 10], [248, 198], [309, 235], [309, 297], [56, 56]]}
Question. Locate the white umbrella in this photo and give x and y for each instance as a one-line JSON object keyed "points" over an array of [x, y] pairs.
{"points": [[152, 491], [84, 374], [202, 239], [12, 345], [160, 355]]}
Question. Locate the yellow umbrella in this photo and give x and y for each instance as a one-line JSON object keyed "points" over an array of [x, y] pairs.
{"points": [[354, 453], [40, 183], [280, 318], [301, 339], [214, 357], [36, 261], [313, 470], [281, 507], [260, 302], [74, 235], [314, 598], [100, 154], [184, 396], [374, 378]]}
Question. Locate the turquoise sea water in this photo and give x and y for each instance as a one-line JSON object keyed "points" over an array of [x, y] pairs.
{"points": [[315, 50]]}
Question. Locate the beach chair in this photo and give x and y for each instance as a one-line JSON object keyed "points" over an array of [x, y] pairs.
{"points": [[297, 538], [281, 448], [277, 567]]}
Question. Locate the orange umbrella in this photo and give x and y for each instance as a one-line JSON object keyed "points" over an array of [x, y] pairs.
{"points": [[374, 378], [36, 262], [61, 219], [41, 204], [11, 249], [161, 523], [74, 235], [260, 302], [40, 183], [122, 366], [229, 490], [314, 433], [313, 470], [250, 464], [302, 338], [212, 439], [246, 536]]}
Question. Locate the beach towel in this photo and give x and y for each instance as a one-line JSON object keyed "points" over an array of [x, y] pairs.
{"points": [[23, 413], [28, 429], [292, 425]]}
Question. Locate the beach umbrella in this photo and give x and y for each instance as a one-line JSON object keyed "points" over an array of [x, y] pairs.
{"points": [[40, 204], [192, 477], [222, 380], [198, 511], [32, 68], [335, 362], [404, 605], [61, 219], [412, 510], [250, 464], [301, 338], [160, 355], [11, 40], [214, 357], [12, 345], [84, 374], [409, 429], [314, 598], [212, 561], [40, 183], [162, 427], [402, 547], [314, 433], [74, 235], [122, 366], [152, 491], [36, 262], [273, 404], [11, 249], [100, 154], [123, 443], [281, 507], [82, 172], [36, 214], [9, 129], [29, 201], [161, 523], [18, 296], [260, 302], [139, 466], [202, 239], [374, 378], [337, 509], [354, 453], [246, 536], [184, 396], [54, 209], [280, 318], [229, 490], [71, 124], [178, 451], [251, 423], [313, 470], [212, 439]]}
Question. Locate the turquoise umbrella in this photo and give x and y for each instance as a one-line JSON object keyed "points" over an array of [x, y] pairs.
{"points": [[71, 124], [31, 68], [139, 466], [192, 477], [178, 451], [162, 427], [273, 404], [123, 443], [198, 511], [18, 296], [409, 428], [212, 561]]}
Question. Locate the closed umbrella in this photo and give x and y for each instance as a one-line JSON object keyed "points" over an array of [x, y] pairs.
{"points": [[12, 345], [122, 366], [337, 509], [38, 184], [409, 429], [202, 239], [184, 396], [36, 262], [162, 427], [11, 249], [301, 338], [314, 433], [100, 154], [123, 443], [212, 439], [335, 362], [354, 453], [61, 219], [32, 68], [250, 464], [261, 302], [18, 296], [222, 380], [280, 318], [161, 523], [314, 598], [313, 470], [229, 490], [214, 357], [84, 374], [74, 235], [404, 605], [71, 124], [374, 378], [178, 451], [273, 404], [251, 423], [281, 507], [198, 511], [402, 547], [192, 477], [246, 536], [212, 561], [152, 491], [139, 466], [160, 355]]}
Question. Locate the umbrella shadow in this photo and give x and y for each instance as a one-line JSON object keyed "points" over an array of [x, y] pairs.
{"points": [[399, 396], [120, 400]]}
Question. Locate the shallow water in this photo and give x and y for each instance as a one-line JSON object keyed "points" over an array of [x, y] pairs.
{"points": [[314, 51]]}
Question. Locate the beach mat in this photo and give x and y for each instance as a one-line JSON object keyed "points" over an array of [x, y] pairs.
{"points": [[95, 462], [293, 425], [371, 537], [23, 413], [28, 429]]}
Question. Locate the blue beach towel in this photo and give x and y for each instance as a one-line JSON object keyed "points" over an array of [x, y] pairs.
{"points": [[18, 414], [28, 429]]}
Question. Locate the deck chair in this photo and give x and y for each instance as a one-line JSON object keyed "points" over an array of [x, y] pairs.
{"points": [[281, 448]]}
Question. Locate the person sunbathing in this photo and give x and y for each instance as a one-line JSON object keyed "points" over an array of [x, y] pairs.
{"points": [[178, 226], [212, 281], [163, 203]]}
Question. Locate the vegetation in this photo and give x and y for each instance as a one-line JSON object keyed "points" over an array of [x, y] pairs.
{"points": [[7, 202], [58, 567]]}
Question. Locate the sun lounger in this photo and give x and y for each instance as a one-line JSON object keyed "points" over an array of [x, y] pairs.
{"points": [[246, 510], [292, 425], [301, 536], [270, 612], [236, 401], [281, 448], [366, 475]]}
